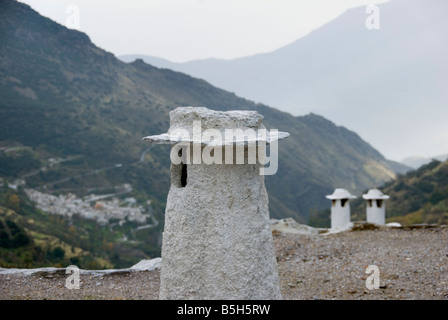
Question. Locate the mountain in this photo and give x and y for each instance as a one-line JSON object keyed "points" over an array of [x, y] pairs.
{"points": [[418, 161], [381, 83], [72, 117], [419, 196], [31, 238]]}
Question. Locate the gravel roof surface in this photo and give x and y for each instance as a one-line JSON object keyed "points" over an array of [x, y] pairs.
{"points": [[412, 264]]}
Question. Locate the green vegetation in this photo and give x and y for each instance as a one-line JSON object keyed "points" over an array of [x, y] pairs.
{"points": [[419, 196], [62, 97], [17, 163], [32, 238]]}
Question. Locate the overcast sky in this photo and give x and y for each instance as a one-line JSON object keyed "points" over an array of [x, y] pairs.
{"points": [[183, 30]]}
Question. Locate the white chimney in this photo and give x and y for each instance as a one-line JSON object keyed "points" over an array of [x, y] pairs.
{"points": [[340, 208], [376, 206]]}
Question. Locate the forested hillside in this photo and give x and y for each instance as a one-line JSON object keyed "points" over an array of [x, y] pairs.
{"points": [[72, 117]]}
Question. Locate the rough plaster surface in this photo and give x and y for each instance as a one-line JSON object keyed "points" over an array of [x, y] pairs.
{"points": [[217, 240], [183, 118], [340, 208], [289, 225], [376, 214], [340, 215]]}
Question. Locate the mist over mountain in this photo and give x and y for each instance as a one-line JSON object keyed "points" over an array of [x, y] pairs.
{"points": [[388, 85], [62, 95], [72, 119], [418, 161]]}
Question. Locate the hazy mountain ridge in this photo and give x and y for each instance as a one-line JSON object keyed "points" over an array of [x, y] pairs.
{"points": [[418, 161], [380, 83], [419, 196], [63, 97]]}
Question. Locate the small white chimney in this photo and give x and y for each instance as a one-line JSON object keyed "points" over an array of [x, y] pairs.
{"points": [[376, 206], [340, 208]]}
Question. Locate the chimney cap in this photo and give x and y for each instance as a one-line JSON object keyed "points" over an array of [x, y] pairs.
{"points": [[182, 120], [340, 193], [374, 194]]}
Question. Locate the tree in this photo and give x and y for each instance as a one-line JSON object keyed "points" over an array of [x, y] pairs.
{"points": [[58, 253], [13, 203]]}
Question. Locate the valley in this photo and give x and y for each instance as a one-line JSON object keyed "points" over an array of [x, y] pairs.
{"points": [[77, 177]]}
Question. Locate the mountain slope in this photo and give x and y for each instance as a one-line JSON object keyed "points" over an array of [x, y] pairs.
{"points": [[420, 196], [61, 97], [381, 83], [416, 162]]}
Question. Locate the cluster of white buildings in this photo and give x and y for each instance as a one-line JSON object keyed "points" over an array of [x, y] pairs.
{"points": [[91, 207]]}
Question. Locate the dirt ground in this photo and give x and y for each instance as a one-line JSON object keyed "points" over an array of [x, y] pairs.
{"points": [[408, 263]]}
